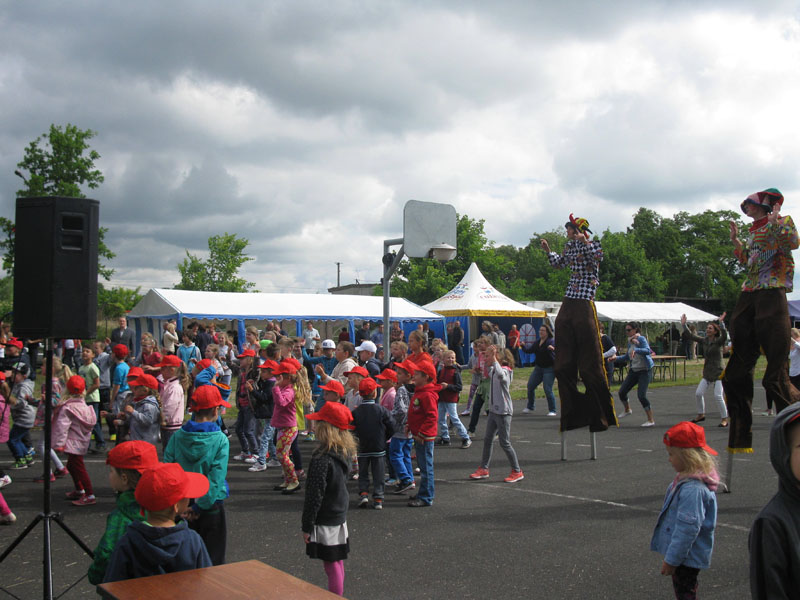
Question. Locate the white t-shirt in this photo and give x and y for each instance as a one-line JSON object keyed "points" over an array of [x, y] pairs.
{"points": [[310, 336]]}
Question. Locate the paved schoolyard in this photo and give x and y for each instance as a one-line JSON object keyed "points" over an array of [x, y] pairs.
{"points": [[572, 530]]}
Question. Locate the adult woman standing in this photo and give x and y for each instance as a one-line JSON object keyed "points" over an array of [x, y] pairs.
{"points": [[713, 343], [639, 373], [170, 339], [543, 373]]}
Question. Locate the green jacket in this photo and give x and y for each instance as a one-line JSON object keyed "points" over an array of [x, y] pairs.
{"points": [[202, 448], [124, 514]]}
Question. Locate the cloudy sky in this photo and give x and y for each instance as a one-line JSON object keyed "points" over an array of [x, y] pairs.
{"points": [[305, 126]]}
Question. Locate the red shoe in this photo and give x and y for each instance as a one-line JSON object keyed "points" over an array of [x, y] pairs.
{"points": [[481, 473], [61, 472], [41, 479], [85, 500], [514, 477], [75, 494]]}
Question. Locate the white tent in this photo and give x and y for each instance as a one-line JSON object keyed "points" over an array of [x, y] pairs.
{"points": [[650, 312], [475, 296], [160, 305]]}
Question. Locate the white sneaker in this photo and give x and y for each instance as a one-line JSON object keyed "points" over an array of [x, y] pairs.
{"points": [[4, 481], [624, 414], [273, 462], [552, 413], [526, 410], [252, 459], [648, 424], [257, 467], [465, 413], [240, 456], [7, 519]]}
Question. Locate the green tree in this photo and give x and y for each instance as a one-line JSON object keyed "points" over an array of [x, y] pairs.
{"points": [[59, 163], [219, 272], [626, 274]]}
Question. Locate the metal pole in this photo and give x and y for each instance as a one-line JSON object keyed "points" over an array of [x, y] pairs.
{"points": [[47, 580], [388, 270]]}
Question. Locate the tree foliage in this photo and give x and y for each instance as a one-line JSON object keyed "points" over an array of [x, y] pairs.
{"points": [[219, 272], [116, 301], [58, 163]]}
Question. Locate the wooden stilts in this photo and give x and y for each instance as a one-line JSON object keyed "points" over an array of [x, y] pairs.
{"points": [[593, 437], [563, 445]]}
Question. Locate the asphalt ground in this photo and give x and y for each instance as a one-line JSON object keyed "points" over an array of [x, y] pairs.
{"points": [[571, 530]]}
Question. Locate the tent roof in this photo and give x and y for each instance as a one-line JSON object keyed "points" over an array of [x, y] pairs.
{"points": [[650, 312], [229, 305], [475, 296]]}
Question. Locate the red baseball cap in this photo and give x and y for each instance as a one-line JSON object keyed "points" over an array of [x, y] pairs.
{"points": [[203, 364], [167, 484], [147, 381], [170, 360], [687, 435], [387, 374], [334, 385], [135, 372], [268, 364], [120, 350], [406, 365], [294, 362], [426, 366], [335, 413], [16, 342], [248, 352], [208, 396], [285, 367], [367, 386], [358, 370], [137, 455], [76, 385]]}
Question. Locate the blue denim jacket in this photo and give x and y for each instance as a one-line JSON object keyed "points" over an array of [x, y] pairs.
{"points": [[684, 533]]}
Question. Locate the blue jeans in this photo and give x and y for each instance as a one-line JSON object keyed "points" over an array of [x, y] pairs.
{"points": [[400, 457], [267, 443], [97, 430], [544, 375], [640, 379], [15, 443], [425, 462], [449, 409], [246, 430]]}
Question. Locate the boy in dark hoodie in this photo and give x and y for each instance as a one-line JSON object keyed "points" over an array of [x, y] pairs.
{"points": [[126, 462], [775, 534], [157, 545], [201, 447], [374, 425]]}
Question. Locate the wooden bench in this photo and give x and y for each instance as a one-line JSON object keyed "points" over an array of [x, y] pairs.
{"points": [[250, 579]]}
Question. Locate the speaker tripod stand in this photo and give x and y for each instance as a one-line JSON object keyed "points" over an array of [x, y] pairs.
{"points": [[47, 516]]}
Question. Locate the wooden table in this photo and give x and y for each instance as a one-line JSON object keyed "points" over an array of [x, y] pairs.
{"points": [[669, 361], [250, 579]]}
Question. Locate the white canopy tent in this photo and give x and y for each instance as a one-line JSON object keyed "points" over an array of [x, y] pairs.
{"points": [[650, 312], [160, 305]]}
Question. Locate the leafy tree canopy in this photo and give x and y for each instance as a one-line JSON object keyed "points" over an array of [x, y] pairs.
{"points": [[219, 272]]}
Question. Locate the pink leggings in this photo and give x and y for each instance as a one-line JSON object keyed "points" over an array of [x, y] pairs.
{"points": [[283, 447], [4, 510], [335, 573]]}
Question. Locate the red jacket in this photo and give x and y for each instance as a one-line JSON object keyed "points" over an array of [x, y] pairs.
{"points": [[423, 413]]}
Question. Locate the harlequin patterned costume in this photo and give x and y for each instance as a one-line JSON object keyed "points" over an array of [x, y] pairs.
{"points": [[760, 321]]}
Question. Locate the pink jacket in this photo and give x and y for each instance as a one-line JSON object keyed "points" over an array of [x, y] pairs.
{"points": [[284, 413], [5, 413], [72, 426], [173, 403]]}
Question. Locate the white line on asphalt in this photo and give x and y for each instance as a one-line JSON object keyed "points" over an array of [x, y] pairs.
{"points": [[643, 450], [613, 447]]}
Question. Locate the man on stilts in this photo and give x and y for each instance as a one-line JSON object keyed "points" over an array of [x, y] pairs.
{"points": [[577, 335]]}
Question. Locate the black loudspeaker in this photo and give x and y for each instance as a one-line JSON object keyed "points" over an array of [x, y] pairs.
{"points": [[55, 268]]}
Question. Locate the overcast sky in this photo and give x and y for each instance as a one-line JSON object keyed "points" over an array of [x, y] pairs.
{"points": [[306, 126]]}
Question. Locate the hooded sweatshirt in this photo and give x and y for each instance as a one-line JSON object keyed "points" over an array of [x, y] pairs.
{"points": [[72, 426], [124, 514], [145, 420], [202, 448], [775, 534], [145, 550], [423, 413]]}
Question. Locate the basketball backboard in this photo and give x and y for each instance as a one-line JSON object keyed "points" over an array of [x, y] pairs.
{"points": [[427, 224]]}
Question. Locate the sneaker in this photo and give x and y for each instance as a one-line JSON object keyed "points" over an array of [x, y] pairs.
{"points": [[280, 487], [85, 500], [624, 414], [41, 479], [481, 473], [273, 462], [301, 474], [241, 456], [4, 481], [526, 410], [417, 503], [465, 412], [29, 459], [291, 488], [392, 482], [75, 494], [378, 505], [62, 472], [514, 477], [311, 437], [443, 442], [416, 471], [363, 501], [20, 463], [647, 424], [113, 437], [354, 476], [252, 459], [552, 413], [404, 487], [7, 519], [466, 443], [257, 467]]}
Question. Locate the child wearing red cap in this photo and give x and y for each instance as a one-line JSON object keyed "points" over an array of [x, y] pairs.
{"points": [[354, 378], [201, 447], [157, 545], [387, 379], [284, 419], [423, 413], [126, 463], [325, 507], [144, 414], [401, 442], [245, 425], [448, 375], [373, 425], [263, 405], [6, 516], [72, 432], [684, 533], [119, 391], [174, 382]]}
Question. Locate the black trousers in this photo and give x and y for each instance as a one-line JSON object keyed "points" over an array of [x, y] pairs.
{"points": [[212, 527]]}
